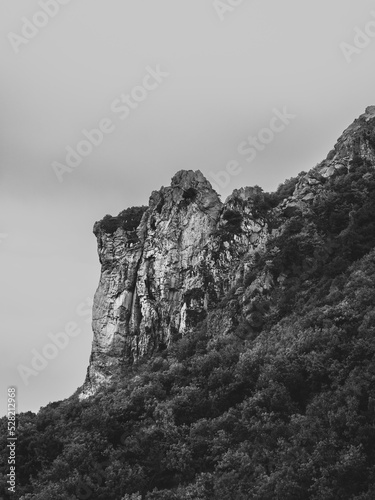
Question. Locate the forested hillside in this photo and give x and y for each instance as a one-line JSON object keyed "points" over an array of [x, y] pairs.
{"points": [[280, 407]]}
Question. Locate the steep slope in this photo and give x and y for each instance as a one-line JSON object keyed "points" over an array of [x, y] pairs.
{"points": [[165, 266], [264, 387]]}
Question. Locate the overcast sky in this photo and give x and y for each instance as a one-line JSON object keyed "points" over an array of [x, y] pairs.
{"points": [[217, 76]]}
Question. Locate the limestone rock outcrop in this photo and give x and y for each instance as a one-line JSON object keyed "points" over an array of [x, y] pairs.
{"points": [[166, 267], [161, 278]]}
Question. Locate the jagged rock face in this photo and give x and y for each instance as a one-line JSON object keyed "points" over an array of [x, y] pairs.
{"points": [[155, 288], [165, 272], [357, 141]]}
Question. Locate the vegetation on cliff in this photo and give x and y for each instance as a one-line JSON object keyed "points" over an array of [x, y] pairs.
{"points": [[128, 220], [283, 407]]}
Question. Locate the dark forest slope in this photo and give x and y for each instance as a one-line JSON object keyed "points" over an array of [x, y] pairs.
{"points": [[271, 396]]}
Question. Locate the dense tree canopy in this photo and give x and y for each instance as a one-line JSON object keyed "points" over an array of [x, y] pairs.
{"points": [[282, 408]]}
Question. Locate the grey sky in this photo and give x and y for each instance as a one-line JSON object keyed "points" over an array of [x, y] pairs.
{"points": [[225, 79]]}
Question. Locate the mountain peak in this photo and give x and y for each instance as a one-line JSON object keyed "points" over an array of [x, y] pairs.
{"points": [[357, 141], [189, 178]]}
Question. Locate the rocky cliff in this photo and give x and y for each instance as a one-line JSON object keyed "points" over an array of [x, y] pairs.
{"points": [[166, 267], [162, 275]]}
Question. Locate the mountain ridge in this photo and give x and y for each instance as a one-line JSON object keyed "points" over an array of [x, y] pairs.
{"points": [[162, 275], [265, 388]]}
